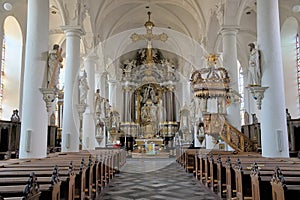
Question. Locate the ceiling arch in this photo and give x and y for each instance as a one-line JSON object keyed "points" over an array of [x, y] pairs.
{"points": [[185, 16]]}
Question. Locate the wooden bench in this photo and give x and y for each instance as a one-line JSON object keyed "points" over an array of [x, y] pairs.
{"points": [[284, 188], [243, 183], [250, 182], [67, 176], [49, 185], [28, 191], [87, 181], [260, 188]]}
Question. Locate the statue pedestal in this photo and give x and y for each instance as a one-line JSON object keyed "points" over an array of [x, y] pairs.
{"points": [[258, 93], [49, 95]]}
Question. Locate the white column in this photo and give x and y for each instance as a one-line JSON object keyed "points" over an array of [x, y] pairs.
{"points": [[113, 93], [70, 127], [196, 141], [186, 93], [230, 63], [210, 142], [103, 85], [1, 42], [33, 140], [274, 136], [89, 115]]}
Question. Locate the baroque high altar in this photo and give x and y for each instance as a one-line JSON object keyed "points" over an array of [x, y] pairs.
{"points": [[149, 109]]}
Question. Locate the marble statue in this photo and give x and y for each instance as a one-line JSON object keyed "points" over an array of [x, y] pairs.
{"points": [[54, 65], [98, 103], [254, 71], [15, 116], [83, 88]]}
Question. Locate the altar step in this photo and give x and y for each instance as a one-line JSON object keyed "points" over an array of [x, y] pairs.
{"points": [[146, 156]]}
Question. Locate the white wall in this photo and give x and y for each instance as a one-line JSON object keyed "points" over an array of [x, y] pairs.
{"points": [[288, 35]]}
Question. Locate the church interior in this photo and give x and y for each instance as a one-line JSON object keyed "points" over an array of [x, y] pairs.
{"points": [[150, 99]]}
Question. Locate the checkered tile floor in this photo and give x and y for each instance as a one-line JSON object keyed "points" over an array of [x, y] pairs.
{"points": [[159, 179]]}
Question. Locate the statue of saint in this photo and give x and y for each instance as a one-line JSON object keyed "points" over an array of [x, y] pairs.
{"points": [[107, 108], [98, 103], [246, 118], [254, 73], [145, 114], [288, 115], [254, 119], [153, 96], [146, 94], [83, 88], [15, 116], [54, 64], [129, 65], [99, 128]]}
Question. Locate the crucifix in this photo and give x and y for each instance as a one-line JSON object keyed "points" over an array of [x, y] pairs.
{"points": [[149, 36]]}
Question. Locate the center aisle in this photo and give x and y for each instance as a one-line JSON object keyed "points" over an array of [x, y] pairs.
{"points": [[155, 179]]}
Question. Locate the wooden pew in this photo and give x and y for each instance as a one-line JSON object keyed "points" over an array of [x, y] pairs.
{"points": [[66, 176], [243, 183], [28, 191], [238, 176], [106, 169], [260, 186], [189, 162], [213, 174], [221, 174], [230, 180], [49, 186], [249, 182], [284, 188]]}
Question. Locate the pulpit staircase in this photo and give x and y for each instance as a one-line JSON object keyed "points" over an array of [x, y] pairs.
{"points": [[236, 139], [217, 126]]}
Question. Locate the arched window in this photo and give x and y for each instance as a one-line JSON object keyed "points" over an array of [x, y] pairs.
{"points": [[298, 63], [11, 67], [241, 91], [2, 66]]}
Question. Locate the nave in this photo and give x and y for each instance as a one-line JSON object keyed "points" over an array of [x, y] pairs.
{"points": [[155, 179]]}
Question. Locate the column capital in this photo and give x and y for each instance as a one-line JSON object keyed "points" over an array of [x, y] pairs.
{"points": [[229, 30], [93, 57], [69, 29], [112, 82]]}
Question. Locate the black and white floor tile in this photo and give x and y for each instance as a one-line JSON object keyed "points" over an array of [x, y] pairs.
{"points": [[155, 179]]}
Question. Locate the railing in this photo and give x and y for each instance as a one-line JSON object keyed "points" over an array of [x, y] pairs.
{"points": [[217, 126], [236, 139]]}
